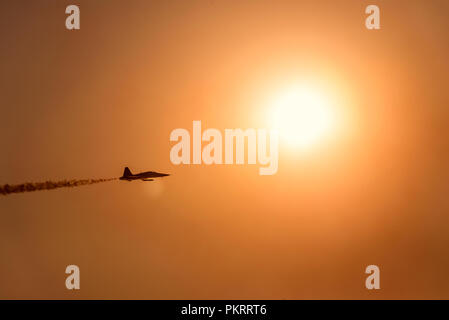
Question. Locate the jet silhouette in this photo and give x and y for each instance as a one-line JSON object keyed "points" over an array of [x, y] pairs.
{"points": [[144, 176]]}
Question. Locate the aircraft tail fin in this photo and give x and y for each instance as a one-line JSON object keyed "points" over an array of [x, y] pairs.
{"points": [[127, 172]]}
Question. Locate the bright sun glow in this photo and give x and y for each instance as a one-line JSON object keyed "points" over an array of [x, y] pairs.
{"points": [[302, 116]]}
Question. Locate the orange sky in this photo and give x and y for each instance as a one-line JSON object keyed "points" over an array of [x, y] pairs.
{"points": [[83, 104]]}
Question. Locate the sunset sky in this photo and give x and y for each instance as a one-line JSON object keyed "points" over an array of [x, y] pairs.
{"points": [[371, 188]]}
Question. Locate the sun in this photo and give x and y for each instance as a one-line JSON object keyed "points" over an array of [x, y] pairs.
{"points": [[303, 116]]}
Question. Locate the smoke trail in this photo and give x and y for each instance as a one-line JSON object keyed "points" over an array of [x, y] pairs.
{"points": [[48, 185]]}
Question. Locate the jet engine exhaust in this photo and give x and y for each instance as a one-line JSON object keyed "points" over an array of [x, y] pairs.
{"points": [[48, 185]]}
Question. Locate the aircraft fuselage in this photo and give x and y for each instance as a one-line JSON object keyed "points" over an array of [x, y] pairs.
{"points": [[144, 176]]}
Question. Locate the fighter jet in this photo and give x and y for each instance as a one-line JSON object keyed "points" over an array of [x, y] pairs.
{"points": [[144, 176]]}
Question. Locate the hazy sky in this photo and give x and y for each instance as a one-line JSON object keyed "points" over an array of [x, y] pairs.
{"points": [[86, 103]]}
